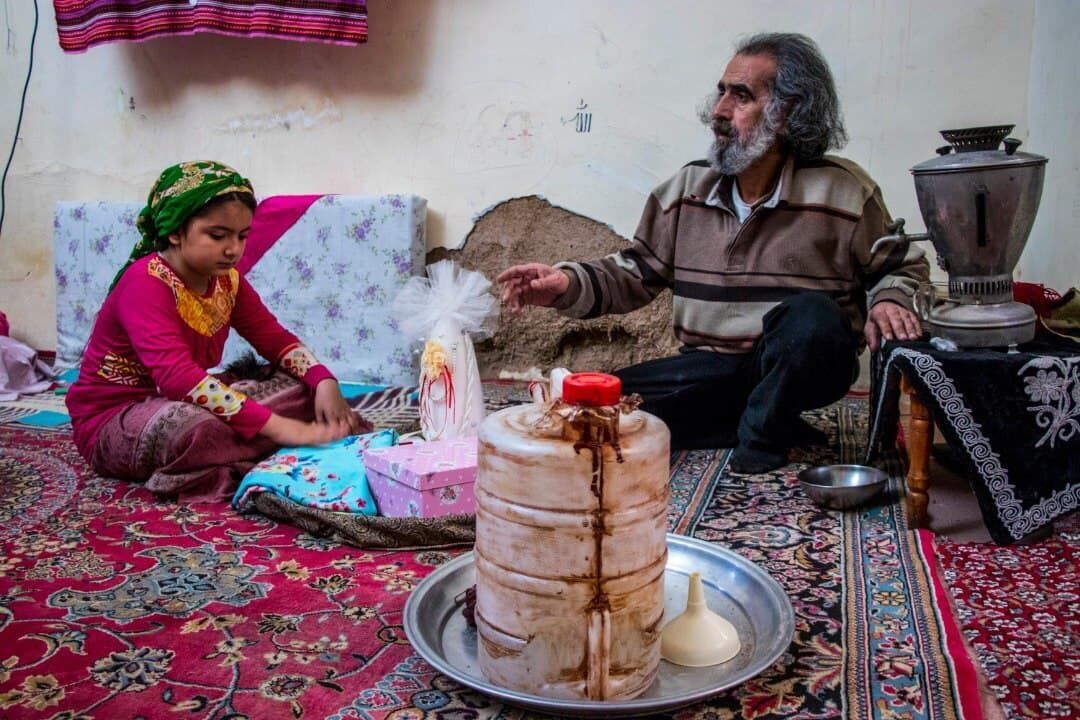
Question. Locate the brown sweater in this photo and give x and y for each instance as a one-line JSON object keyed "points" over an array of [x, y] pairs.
{"points": [[725, 276]]}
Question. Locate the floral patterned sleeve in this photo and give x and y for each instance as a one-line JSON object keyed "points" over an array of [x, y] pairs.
{"points": [[301, 363], [246, 416]]}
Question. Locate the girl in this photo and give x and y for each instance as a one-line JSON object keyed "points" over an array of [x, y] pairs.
{"points": [[144, 406]]}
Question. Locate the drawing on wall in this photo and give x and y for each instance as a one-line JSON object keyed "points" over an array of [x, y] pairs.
{"points": [[582, 120], [502, 135]]}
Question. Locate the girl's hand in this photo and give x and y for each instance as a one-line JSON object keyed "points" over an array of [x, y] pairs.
{"points": [[331, 408], [288, 432]]}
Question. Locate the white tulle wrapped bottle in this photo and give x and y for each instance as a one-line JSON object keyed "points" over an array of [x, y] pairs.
{"points": [[447, 310]]}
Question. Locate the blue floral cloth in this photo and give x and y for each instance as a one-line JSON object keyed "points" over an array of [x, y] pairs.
{"points": [[330, 477]]}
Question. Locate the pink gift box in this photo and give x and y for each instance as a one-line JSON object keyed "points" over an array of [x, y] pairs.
{"points": [[426, 479]]}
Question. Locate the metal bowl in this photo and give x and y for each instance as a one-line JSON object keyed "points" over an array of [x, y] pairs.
{"points": [[840, 487]]}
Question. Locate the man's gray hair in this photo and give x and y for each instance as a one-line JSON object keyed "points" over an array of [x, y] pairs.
{"points": [[803, 93]]}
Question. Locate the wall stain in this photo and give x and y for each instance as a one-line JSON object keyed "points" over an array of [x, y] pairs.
{"points": [[281, 121]]}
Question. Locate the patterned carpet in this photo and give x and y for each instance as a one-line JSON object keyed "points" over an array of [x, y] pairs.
{"points": [[1020, 611], [114, 604], [44, 411]]}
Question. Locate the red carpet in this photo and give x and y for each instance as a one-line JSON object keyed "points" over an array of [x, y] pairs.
{"points": [[116, 605], [1019, 608]]}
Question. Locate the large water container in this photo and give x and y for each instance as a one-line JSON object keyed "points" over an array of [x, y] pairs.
{"points": [[571, 522]]}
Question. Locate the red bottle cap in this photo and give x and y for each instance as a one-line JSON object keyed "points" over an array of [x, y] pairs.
{"points": [[592, 389]]}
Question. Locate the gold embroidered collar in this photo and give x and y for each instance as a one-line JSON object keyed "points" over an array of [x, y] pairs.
{"points": [[205, 314]]}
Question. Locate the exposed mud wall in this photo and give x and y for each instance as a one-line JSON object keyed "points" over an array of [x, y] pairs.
{"points": [[530, 229]]}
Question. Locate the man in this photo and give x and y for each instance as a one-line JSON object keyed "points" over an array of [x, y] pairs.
{"points": [[769, 250]]}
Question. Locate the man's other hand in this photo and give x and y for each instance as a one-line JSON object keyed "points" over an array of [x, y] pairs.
{"points": [[531, 284], [890, 321]]}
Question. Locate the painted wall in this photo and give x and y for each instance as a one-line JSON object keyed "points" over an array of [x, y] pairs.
{"points": [[1052, 255], [468, 103]]}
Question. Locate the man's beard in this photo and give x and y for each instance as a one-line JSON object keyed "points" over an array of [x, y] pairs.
{"points": [[738, 154]]}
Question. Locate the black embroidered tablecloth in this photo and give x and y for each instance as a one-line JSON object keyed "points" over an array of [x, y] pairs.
{"points": [[1012, 419]]}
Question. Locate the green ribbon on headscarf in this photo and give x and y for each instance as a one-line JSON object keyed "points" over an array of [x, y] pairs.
{"points": [[180, 191]]}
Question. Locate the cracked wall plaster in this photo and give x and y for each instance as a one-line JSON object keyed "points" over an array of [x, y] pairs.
{"points": [[530, 229]]}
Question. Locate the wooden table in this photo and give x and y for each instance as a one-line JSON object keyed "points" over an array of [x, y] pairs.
{"points": [[917, 442]]}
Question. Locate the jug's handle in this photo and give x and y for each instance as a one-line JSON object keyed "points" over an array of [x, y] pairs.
{"points": [[538, 391], [597, 681]]}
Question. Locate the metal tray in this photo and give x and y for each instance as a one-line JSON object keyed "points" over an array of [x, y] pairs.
{"points": [[734, 587]]}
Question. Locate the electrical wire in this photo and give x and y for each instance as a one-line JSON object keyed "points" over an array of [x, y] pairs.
{"points": [[18, 123]]}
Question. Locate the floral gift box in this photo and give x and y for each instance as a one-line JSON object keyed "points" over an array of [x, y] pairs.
{"points": [[426, 479]]}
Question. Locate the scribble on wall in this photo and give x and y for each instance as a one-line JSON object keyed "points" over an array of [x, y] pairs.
{"points": [[582, 119]]}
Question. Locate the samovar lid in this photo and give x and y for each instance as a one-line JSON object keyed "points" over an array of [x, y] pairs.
{"points": [[977, 149]]}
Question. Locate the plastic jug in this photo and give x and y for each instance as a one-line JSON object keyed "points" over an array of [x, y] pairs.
{"points": [[571, 518]]}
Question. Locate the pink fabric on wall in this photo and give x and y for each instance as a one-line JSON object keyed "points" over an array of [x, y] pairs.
{"points": [[273, 217], [82, 24]]}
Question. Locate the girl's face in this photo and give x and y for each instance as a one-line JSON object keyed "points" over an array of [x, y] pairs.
{"points": [[209, 244]]}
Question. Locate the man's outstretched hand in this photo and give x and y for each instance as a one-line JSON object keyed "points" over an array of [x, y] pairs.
{"points": [[531, 284], [890, 321]]}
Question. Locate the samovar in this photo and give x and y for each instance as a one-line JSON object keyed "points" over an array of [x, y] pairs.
{"points": [[978, 199]]}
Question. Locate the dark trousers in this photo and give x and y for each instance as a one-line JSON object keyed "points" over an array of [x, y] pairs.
{"points": [[805, 358]]}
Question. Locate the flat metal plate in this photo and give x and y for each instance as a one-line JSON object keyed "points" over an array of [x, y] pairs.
{"points": [[734, 587]]}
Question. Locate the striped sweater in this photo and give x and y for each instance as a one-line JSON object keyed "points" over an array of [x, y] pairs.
{"points": [[725, 276]]}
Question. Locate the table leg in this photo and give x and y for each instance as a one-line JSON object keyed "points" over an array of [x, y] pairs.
{"points": [[918, 452]]}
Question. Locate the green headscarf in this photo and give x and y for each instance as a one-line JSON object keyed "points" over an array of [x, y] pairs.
{"points": [[180, 191]]}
